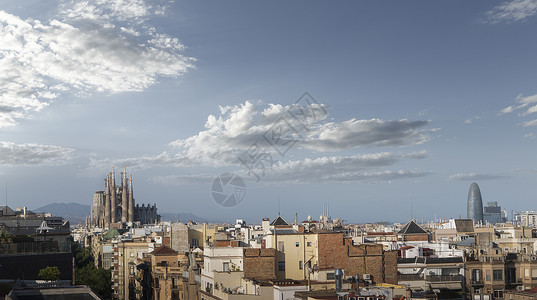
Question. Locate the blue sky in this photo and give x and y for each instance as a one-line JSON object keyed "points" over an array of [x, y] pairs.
{"points": [[421, 99]]}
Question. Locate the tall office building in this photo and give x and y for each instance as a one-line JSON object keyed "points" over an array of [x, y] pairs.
{"points": [[492, 213], [475, 204]]}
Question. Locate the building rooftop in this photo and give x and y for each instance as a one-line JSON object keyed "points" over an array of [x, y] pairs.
{"points": [[412, 228], [464, 225], [430, 260], [164, 250], [279, 221]]}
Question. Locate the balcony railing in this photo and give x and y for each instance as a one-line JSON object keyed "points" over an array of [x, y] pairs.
{"points": [[430, 278], [36, 247], [410, 277], [477, 282], [444, 278]]}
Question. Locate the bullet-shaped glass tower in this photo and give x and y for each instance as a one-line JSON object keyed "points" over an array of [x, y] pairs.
{"points": [[475, 204]]}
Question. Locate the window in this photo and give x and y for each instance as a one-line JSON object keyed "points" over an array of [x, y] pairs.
{"points": [[308, 244], [488, 275], [225, 267], [281, 266], [300, 265], [476, 275], [497, 275], [281, 247], [297, 244], [330, 276], [498, 294], [533, 273]]}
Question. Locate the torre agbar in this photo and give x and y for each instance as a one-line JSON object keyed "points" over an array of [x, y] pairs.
{"points": [[116, 204], [475, 204]]}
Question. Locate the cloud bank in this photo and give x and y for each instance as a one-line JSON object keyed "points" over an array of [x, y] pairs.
{"points": [[249, 130], [475, 176], [92, 46], [12, 154]]}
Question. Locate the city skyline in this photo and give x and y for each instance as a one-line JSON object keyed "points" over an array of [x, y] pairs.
{"points": [[413, 102]]}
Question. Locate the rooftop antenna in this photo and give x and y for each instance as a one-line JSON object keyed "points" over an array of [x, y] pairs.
{"points": [[411, 217], [278, 206]]}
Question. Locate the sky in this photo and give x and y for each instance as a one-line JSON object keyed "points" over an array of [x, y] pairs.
{"points": [[385, 110]]}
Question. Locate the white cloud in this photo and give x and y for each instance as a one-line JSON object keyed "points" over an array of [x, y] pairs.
{"points": [[100, 166], [526, 106], [355, 168], [367, 168], [239, 127], [512, 11], [183, 179], [12, 154], [82, 51], [358, 133], [476, 176], [247, 127], [248, 132], [529, 123], [523, 102]]}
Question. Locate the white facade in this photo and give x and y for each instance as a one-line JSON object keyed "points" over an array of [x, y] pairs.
{"points": [[220, 259]]}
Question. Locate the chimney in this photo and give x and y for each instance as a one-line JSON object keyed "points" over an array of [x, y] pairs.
{"points": [[339, 279], [357, 285]]}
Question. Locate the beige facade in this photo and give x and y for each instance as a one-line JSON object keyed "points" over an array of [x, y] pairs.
{"points": [[200, 234], [167, 268], [496, 272], [126, 256], [295, 252]]}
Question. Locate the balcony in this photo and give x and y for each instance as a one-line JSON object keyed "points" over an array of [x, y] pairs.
{"points": [[410, 277], [477, 282], [430, 278], [444, 278], [516, 282]]}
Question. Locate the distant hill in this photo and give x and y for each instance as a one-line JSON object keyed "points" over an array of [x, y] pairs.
{"points": [[182, 217], [73, 212], [76, 213]]}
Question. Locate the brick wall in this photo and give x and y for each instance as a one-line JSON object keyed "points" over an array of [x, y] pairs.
{"points": [[260, 264], [414, 237], [332, 251], [335, 252]]}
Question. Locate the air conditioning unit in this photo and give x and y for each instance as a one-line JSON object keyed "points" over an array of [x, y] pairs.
{"points": [[367, 276]]}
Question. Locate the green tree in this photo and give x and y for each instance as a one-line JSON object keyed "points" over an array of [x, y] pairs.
{"points": [[98, 279], [49, 273], [5, 238]]}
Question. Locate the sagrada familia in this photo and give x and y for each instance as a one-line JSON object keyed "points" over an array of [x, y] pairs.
{"points": [[116, 204]]}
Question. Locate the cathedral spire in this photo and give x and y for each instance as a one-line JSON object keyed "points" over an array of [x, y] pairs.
{"points": [[106, 202], [131, 202], [124, 203], [112, 184]]}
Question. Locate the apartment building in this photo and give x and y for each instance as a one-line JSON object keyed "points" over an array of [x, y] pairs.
{"points": [[167, 267]]}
